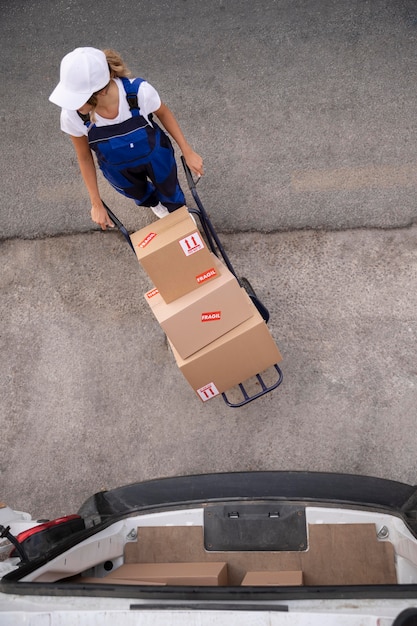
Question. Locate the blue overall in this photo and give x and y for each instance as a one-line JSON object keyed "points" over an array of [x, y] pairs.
{"points": [[137, 159]]}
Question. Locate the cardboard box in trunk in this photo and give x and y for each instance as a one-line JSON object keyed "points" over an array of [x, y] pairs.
{"points": [[275, 578], [200, 317], [243, 352], [108, 580], [214, 574], [174, 255]]}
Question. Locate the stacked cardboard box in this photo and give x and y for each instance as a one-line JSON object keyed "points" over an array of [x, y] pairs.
{"points": [[231, 359], [200, 317], [217, 336], [174, 255]]}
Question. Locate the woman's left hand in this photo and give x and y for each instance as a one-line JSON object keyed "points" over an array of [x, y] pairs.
{"points": [[194, 162]]}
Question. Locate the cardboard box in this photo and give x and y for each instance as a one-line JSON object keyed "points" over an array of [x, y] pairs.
{"points": [[108, 580], [205, 574], [278, 579], [238, 355], [174, 255], [200, 317]]}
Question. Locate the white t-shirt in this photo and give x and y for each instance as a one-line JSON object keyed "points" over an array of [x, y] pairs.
{"points": [[148, 100]]}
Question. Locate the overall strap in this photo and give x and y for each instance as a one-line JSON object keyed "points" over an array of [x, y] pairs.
{"points": [[85, 118], [131, 90]]}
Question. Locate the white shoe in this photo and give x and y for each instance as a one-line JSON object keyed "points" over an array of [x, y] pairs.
{"points": [[160, 210]]}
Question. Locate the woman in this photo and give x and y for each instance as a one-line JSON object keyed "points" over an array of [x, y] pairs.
{"points": [[106, 112]]}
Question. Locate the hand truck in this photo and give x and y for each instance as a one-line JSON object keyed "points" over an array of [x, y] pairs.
{"points": [[217, 248]]}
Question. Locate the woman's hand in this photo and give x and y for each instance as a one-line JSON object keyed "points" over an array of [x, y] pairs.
{"points": [[100, 216], [194, 162]]}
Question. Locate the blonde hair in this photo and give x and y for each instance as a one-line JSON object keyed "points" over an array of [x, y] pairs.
{"points": [[118, 69]]}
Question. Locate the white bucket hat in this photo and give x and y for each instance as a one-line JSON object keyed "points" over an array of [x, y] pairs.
{"points": [[83, 72]]}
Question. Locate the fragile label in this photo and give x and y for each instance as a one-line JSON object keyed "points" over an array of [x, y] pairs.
{"points": [[211, 316], [191, 243], [147, 240], [153, 292], [208, 391], [201, 278]]}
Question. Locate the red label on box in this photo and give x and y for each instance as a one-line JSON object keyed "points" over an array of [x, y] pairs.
{"points": [[201, 278], [147, 240], [211, 316], [153, 292], [208, 391]]}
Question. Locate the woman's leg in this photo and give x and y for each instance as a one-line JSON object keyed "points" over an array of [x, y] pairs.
{"points": [[162, 171]]}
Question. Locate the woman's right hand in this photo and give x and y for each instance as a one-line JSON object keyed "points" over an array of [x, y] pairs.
{"points": [[100, 216]]}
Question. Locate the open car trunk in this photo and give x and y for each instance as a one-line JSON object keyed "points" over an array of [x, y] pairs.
{"points": [[231, 540]]}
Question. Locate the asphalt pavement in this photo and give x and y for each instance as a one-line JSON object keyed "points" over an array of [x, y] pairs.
{"points": [[304, 114]]}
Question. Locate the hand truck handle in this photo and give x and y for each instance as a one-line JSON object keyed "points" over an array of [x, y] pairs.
{"points": [[190, 180], [119, 225]]}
